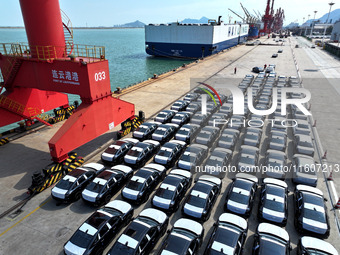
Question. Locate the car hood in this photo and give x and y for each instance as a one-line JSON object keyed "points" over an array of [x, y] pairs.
{"points": [[59, 193], [89, 195], [161, 202], [72, 249]]}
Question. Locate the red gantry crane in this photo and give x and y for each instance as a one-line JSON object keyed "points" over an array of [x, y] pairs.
{"points": [[36, 77], [271, 22]]}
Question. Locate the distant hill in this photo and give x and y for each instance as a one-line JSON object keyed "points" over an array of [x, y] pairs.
{"points": [[137, 23], [201, 20], [333, 17]]}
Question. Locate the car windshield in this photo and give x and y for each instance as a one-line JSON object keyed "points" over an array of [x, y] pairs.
{"points": [[81, 239], [164, 153], [164, 193], [314, 215], [271, 246], [121, 249], [273, 205], [188, 157], [251, 136], [227, 139], [275, 166], [95, 187], [239, 198], [142, 129], [162, 115], [134, 151], [183, 131], [204, 135], [134, 185], [305, 144], [247, 160], [277, 140], [196, 201], [64, 184], [160, 131], [176, 244]]}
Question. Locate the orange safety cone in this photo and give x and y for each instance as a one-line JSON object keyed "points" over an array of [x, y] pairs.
{"points": [[330, 177], [325, 155], [337, 205]]}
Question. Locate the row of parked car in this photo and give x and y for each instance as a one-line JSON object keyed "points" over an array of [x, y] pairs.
{"points": [[129, 157], [186, 236]]}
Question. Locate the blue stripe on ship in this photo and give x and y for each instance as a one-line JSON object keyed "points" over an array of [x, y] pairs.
{"points": [[183, 50]]}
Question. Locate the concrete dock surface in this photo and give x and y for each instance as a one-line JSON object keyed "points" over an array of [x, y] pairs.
{"points": [[43, 227]]}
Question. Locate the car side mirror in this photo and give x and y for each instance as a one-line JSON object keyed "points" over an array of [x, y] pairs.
{"points": [[325, 199], [290, 247], [168, 231]]}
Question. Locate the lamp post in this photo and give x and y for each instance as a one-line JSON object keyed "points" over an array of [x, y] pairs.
{"points": [[311, 31], [324, 31], [307, 26]]}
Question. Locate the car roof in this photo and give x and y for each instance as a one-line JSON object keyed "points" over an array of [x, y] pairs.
{"points": [[267, 228], [154, 214], [189, 225]]}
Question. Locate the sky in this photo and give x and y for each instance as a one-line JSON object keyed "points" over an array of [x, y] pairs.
{"points": [[113, 12]]}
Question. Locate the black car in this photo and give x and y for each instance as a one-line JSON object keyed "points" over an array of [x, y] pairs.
{"points": [[187, 132], [252, 137], [180, 105], [228, 236], [164, 132], [240, 196], [199, 119], [207, 136], [193, 107], [257, 69], [172, 190], [247, 158], [192, 156], [142, 234], [145, 130], [181, 118], [271, 239], [273, 206], [139, 154], [275, 55], [99, 229], [106, 184], [218, 120], [202, 197], [218, 161], [115, 153], [144, 181], [184, 238], [169, 153], [191, 97], [228, 139], [165, 116], [70, 187], [311, 212]]}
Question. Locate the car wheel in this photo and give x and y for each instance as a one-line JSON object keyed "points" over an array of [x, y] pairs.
{"points": [[77, 196], [107, 198]]}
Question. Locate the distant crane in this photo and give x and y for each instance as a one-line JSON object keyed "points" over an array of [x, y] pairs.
{"points": [[272, 22]]}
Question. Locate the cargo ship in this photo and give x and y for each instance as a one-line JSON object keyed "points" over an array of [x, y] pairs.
{"points": [[177, 40]]}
